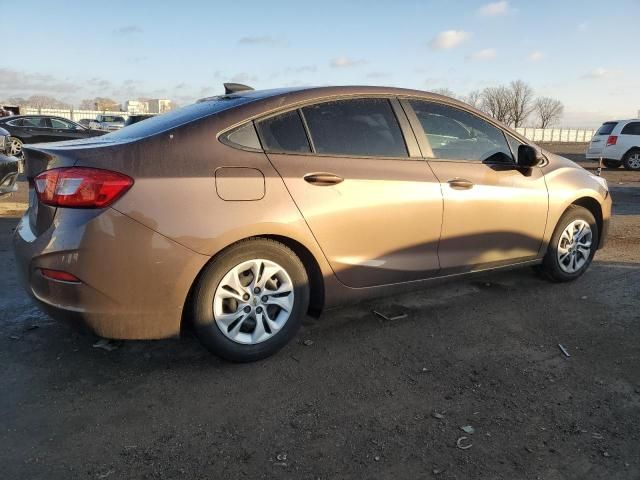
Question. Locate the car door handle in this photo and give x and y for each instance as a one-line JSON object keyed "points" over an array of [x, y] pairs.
{"points": [[322, 179], [460, 184]]}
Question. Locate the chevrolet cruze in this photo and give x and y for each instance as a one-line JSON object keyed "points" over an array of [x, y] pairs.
{"points": [[243, 213]]}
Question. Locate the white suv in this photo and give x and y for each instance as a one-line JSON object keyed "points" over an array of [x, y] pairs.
{"points": [[618, 143]]}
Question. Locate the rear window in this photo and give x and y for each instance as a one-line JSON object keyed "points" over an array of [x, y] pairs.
{"points": [[176, 118], [360, 127], [606, 128], [284, 133]]}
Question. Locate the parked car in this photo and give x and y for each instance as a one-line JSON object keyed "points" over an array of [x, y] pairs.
{"points": [[86, 122], [9, 166], [109, 123], [25, 129], [617, 143], [138, 118], [243, 213]]}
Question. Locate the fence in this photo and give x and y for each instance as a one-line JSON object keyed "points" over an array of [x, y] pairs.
{"points": [[71, 114], [558, 135]]}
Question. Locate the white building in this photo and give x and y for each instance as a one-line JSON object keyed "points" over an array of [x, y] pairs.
{"points": [[158, 105], [136, 106]]}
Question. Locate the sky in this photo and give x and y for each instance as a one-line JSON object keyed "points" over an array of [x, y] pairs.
{"points": [[575, 51]]}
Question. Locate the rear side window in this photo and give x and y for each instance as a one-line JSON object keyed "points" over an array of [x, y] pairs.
{"points": [[456, 134], [284, 133], [632, 128], [606, 128], [362, 127]]}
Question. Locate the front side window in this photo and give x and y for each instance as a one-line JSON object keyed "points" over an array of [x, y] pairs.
{"points": [[283, 133], [56, 123], [632, 128], [360, 127], [455, 134]]}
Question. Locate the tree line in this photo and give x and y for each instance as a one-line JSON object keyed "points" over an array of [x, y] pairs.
{"points": [[512, 104]]}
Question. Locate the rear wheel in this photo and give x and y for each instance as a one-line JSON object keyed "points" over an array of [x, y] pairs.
{"points": [[572, 245], [611, 163], [251, 300], [631, 160]]}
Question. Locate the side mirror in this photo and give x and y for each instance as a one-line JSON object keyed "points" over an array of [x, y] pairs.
{"points": [[528, 156]]}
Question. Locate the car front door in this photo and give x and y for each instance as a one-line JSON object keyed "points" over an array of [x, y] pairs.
{"points": [[370, 200], [494, 212]]}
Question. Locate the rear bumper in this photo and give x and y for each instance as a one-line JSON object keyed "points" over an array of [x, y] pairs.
{"points": [[133, 281]]}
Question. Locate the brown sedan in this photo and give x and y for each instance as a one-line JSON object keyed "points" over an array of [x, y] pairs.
{"points": [[243, 213]]}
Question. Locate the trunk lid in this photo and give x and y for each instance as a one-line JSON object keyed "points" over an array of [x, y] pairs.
{"points": [[41, 157], [599, 140]]}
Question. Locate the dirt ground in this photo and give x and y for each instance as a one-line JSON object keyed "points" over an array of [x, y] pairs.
{"points": [[353, 396]]}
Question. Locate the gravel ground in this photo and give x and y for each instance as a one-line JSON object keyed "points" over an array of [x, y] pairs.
{"points": [[354, 396]]}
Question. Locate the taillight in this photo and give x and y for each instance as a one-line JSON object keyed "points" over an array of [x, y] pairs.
{"points": [[81, 187], [612, 140]]}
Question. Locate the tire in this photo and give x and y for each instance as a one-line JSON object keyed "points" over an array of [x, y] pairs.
{"points": [[631, 160], [560, 271], [612, 163], [227, 311]]}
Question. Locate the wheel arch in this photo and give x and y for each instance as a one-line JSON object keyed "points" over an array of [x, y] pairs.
{"points": [[310, 263], [594, 207]]}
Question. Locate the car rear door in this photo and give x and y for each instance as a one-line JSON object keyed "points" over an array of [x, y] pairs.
{"points": [[494, 212], [354, 170], [599, 140], [37, 129]]}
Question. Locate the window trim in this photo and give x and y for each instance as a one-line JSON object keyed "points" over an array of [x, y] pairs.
{"points": [[408, 133], [424, 141]]}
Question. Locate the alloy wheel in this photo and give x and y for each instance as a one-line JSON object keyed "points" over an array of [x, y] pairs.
{"points": [[15, 147], [634, 161], [574, 246], [253, 301]]}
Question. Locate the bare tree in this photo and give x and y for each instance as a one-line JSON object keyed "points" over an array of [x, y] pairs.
{"points": [[445, 91], [495, 101], [43, 101], [520, 102], [549, 111], [99, 103], [474, 98]]}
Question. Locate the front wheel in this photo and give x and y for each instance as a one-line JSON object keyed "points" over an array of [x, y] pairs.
{"points": [[612, 163], [572, 246], [631, 160], [250, 300]]}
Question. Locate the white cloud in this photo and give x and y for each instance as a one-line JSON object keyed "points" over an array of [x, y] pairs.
{"points": [[598, 73], [484, 54], [265, 40], [346, 62], [128, 30], [494, 9], [449, 39], [536, 56]]}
